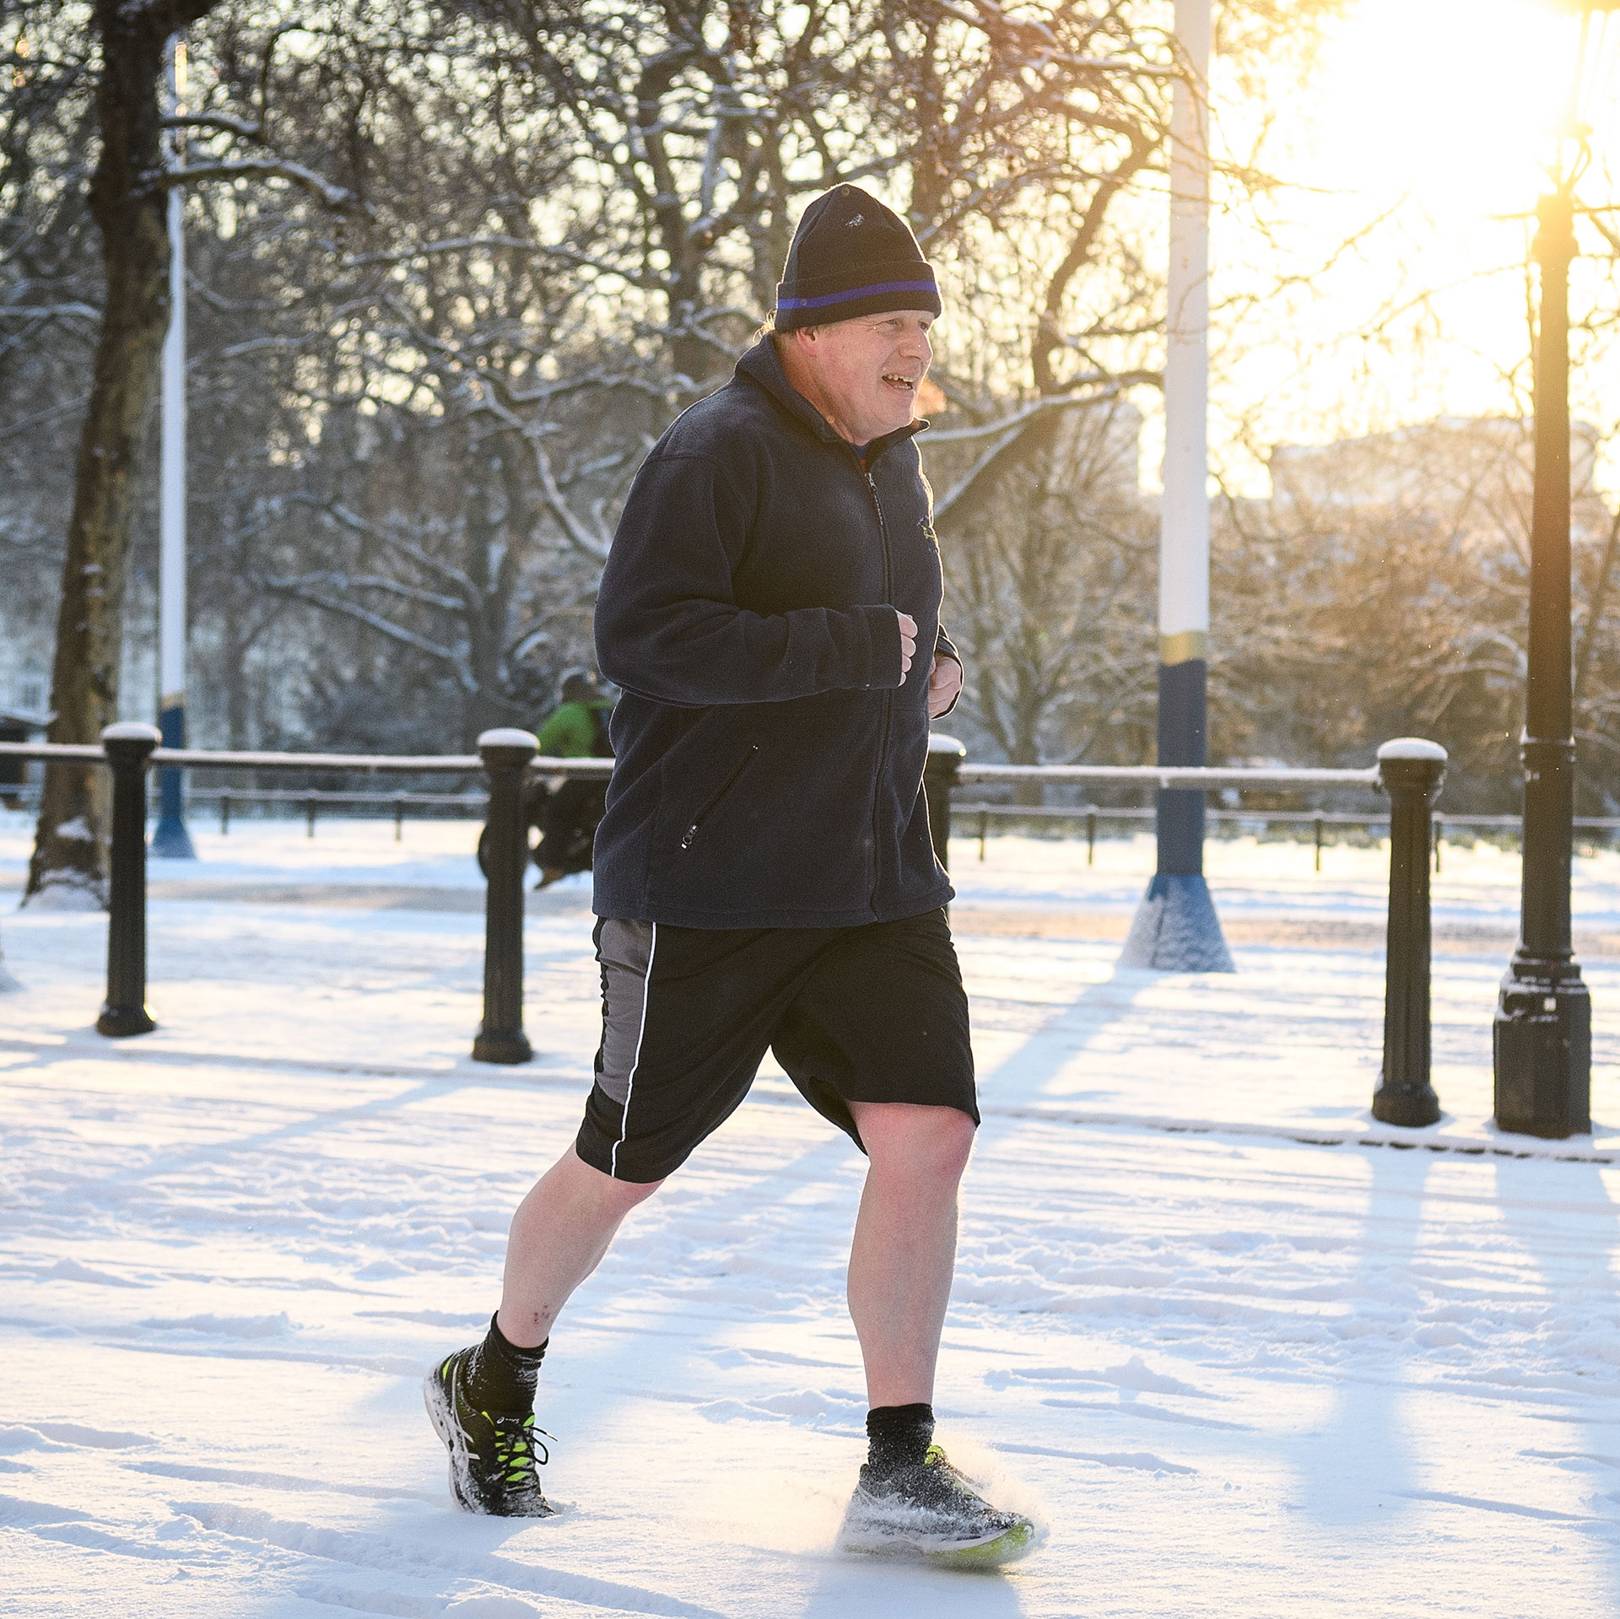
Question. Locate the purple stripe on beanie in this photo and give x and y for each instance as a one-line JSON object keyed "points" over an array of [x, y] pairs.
{"points": [[858, 292]]}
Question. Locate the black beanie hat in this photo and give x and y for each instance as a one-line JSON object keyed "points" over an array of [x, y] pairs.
{"points": [[851, 256]]}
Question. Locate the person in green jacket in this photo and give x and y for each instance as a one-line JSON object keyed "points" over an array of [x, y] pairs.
{"points": [[577, 729]]}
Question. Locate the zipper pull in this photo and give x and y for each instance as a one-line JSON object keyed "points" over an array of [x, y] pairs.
{"points": [[688, 835]]}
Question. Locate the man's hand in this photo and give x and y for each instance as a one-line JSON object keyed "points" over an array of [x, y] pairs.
{"points": [[944, 685], [908, 643]]}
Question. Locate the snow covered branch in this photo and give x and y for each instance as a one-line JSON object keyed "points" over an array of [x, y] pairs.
{"points": [[343, 608], [337, 579], [343, 516], [592, 542], [260, 168], [49, 312], [221, 123]]}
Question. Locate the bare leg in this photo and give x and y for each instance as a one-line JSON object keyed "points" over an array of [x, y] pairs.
{"points": [[904, 1251], [559, 1234]]}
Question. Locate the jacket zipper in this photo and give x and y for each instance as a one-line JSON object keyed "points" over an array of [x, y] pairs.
{"points": [[725, 787], [888, 697]]}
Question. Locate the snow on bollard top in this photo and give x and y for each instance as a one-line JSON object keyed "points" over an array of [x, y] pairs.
{"points": [[1411, 747], [938, 742], [508, 736], [131, 731]]}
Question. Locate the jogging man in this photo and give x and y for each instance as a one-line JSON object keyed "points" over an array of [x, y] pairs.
{"points": [[763, 875]]}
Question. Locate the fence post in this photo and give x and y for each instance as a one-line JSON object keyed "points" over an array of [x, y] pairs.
{"points": [[1318, 842], [506, 753], [224, 813], [309, 812], [128, 746], [1091, 837], [945, 756], [399, 817], [1410, 770]]}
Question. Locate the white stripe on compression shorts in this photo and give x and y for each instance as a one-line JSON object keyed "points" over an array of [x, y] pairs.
{"points": [[635, 1062]]}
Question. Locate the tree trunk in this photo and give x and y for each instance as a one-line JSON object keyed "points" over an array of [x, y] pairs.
{"points": [[70, 849]]}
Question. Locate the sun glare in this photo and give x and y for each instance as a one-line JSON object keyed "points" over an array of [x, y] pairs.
{"points": [[1455, 104], [1413, 158]]}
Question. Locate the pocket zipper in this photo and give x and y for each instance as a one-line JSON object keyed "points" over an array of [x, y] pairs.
{"points": [[725, 787]]}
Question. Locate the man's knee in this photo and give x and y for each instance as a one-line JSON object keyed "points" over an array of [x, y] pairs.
{"points": [[620, 1197], [634, 1193], [608, 1190], [904, 1139]]}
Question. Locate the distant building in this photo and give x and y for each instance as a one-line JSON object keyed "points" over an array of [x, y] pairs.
{"points": [[25, 662], [1475, 472], [28, 644]]}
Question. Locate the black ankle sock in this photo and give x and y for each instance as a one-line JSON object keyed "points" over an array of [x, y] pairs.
{"points": [[502, 1376], [898, 1435]]}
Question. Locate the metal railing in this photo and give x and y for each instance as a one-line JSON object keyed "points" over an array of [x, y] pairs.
{"points": [[1096, 815], [504, 756], [313, 804], [1408, 771]]}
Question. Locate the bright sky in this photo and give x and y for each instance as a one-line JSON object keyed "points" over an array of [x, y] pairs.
{"points": [[1441, 114]]}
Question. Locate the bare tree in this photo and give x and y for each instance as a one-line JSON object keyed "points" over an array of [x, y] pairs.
{"points": [[127, 201], [422, 420]]}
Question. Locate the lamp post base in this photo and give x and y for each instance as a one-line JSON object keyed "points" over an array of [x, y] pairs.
{"points": [[121, 1022], [507, 1048], [170, 840], [1542, 1047], [1176, 930], [1414, 1108]]}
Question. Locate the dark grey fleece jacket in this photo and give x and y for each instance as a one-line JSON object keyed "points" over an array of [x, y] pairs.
{"points": [[769, 758]]}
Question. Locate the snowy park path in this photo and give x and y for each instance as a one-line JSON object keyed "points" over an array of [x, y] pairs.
{"points": [[1237, 1374]]}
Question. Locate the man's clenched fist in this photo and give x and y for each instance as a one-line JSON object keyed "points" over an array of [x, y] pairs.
{"points": [[944, 685]]}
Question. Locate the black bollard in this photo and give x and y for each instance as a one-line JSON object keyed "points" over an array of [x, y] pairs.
{"points": [[506, 754], [1410, 770], [945, 756], [128, 747]]}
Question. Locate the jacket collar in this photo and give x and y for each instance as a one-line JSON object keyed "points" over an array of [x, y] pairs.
{"points": [[762, 365]]}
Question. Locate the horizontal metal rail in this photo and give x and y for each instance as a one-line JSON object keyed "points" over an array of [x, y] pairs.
{"points": [[1160, 776], [1305, 817], [398, 763], [324, 796]]}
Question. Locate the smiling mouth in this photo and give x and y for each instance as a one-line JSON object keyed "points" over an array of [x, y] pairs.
{"points": [[905, 384]]}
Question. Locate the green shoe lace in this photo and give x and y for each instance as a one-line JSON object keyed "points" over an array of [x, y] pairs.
{"points": [[515, 1445]]}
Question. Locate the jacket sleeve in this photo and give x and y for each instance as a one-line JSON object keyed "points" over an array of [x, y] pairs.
{"points": [[945, 647], [668, 626]]}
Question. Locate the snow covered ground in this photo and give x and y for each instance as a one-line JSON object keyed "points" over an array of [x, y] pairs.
{"points": [[1238, 1372]]}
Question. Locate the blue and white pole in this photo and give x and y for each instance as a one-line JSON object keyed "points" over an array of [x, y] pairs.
{"points": [[170, 839], [1176, 928]]}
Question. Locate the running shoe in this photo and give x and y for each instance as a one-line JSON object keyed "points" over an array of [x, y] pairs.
{"points": [[493, 1465], [931, 1510]]}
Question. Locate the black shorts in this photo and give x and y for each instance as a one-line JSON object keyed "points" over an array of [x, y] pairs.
{"points": [[861, 1014]]}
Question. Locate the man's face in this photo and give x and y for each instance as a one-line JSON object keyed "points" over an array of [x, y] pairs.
{"points": [[867, 370]]}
